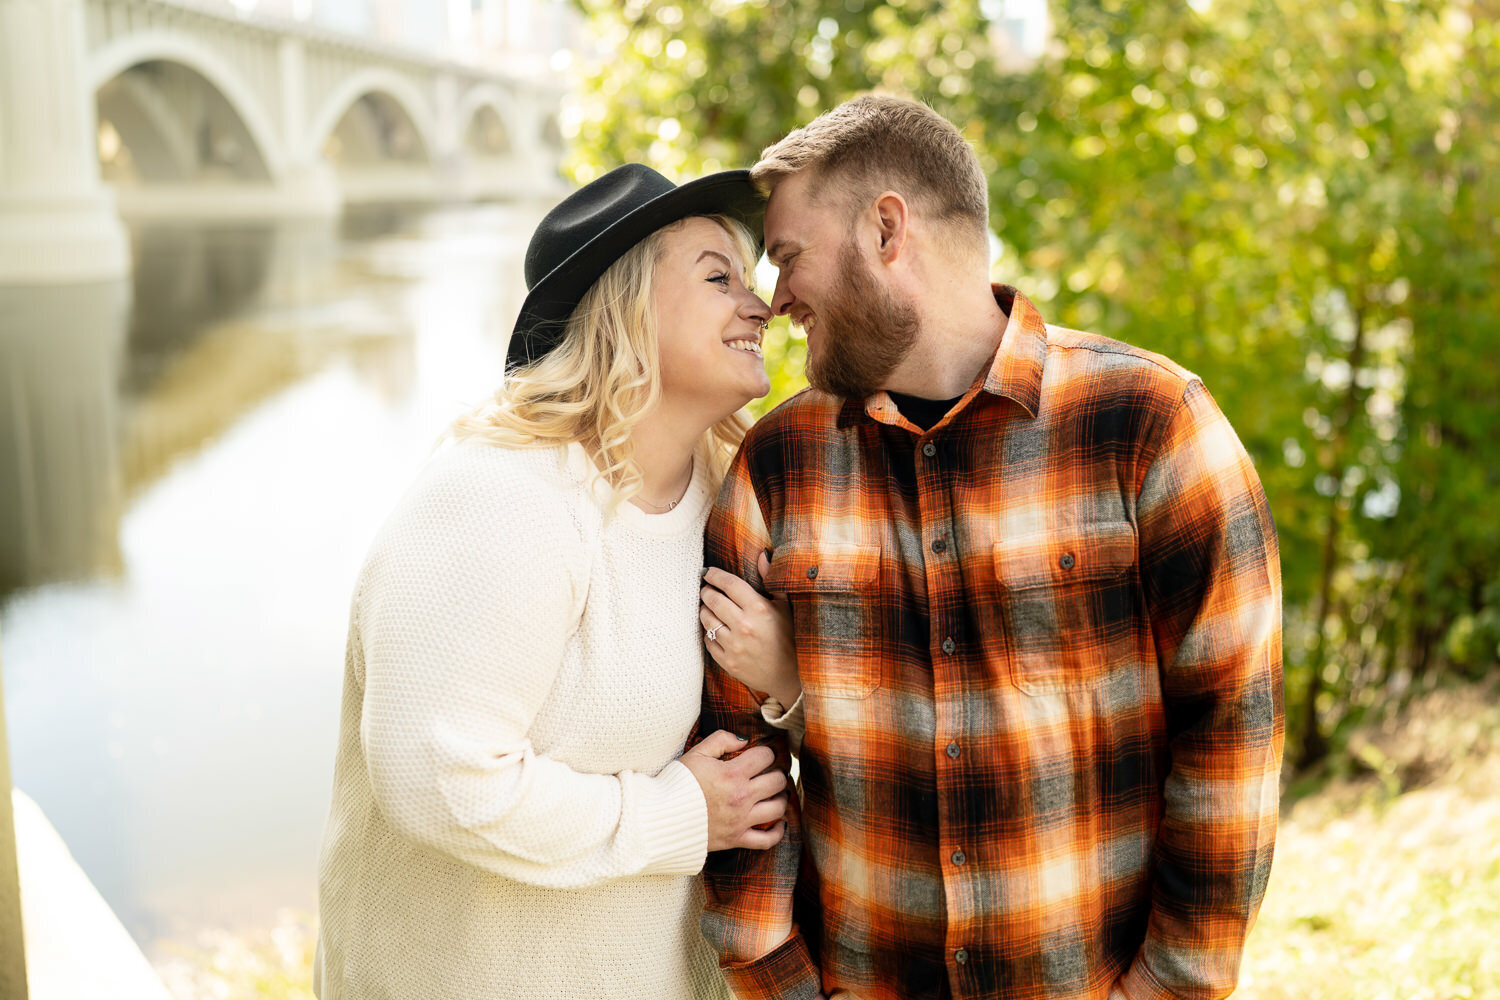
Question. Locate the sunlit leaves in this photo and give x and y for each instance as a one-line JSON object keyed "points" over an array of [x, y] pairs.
{"points": [[1294, 198]]}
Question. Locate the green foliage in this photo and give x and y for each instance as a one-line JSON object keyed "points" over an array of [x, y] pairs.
{"points": [[696, 87], [275, 964], [1386, 884], [785, 349], [1293, 198]]}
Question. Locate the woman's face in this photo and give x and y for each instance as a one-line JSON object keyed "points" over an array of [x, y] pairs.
{"points": [[709, 323]]}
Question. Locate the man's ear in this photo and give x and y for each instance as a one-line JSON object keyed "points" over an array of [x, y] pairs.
{"points": [[892, 218]]}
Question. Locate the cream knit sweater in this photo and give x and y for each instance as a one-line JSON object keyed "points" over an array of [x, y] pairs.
{"points": [[509, 818]]}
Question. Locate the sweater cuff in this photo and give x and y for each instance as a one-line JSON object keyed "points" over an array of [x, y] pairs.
{"points": [[672, 817], [791, 720], [783, 718], [785, 972]]}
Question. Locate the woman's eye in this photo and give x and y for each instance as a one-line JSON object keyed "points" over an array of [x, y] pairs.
{"points": [[722, 279]]}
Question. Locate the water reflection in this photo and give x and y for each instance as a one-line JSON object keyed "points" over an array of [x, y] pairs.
{"points": [[60, 358], [188, 488]]}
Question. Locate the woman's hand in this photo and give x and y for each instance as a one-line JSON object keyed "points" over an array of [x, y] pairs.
{"points": [[751, 636], [746, 795]]}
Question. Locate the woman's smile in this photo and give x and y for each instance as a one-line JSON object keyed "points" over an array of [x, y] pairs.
{"points": [[745, 346]]}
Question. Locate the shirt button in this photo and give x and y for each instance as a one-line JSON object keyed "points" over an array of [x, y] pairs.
{"points": [[959, 857], [1066, 562], [949, 645], [812, 572], [939, 545], [960, 956], [953, 750], [929, 449]]}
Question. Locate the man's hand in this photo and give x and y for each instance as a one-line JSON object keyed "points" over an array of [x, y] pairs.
{"points": [[742, 794]]}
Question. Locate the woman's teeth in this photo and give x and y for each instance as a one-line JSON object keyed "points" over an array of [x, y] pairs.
{"points": [[748, 346]]}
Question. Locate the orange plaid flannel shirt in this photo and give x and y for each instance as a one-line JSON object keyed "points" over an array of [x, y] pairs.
{"points": [[1040, 647]]}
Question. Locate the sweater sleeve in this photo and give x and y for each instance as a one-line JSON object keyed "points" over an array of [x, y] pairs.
{"points": [[465, 608]]}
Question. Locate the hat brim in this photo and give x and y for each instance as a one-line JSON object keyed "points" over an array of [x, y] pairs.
{"points": [[551, 301]]}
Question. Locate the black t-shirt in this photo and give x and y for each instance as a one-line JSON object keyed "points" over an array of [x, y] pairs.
{"points": [[923, 412]]}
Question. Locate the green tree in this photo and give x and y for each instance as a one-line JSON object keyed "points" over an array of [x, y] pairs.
{"points": [[1293, 198]]}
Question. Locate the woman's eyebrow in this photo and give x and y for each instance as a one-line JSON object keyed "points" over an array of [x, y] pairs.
{"points": [[714, 253]]}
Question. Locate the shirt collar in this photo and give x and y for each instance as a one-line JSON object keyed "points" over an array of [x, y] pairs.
{"points": [[1015, 373]]}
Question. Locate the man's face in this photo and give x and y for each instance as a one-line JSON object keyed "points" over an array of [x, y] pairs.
{"points": [[858, 329]]}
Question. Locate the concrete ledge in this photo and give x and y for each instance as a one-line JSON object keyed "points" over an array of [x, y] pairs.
{"points": [[76, 947]]}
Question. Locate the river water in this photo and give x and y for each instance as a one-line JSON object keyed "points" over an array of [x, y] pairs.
{"points": [[192, 464]]}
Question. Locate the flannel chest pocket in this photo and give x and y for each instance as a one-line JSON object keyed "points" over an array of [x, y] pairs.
{"points": [[834, 593], [1069, 604]]}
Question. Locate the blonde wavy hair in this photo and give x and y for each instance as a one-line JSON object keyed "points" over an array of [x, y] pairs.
{"points": [[603, 378]]}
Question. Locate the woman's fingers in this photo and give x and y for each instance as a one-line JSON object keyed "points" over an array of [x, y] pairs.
{"points": [[709, 621], [761, 840], [718, 743], [768, 811], [749, 616], [754, 766], [736, 589], [767, 783], [727, 610]]}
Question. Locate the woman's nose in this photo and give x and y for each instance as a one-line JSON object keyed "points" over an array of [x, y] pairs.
{"points": [[755, 308]]}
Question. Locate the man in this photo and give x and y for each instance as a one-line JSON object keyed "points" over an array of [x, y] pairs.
{"points": [[1036, 601]]}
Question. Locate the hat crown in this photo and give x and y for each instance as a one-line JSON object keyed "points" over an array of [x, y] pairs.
{"points": [[588, 212], [577, 241]]}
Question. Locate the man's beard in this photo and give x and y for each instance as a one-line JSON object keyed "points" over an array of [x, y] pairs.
{"points": [[866, 332]]}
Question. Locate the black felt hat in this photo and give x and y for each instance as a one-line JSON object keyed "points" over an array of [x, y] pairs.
{"points": [[594, 226]]}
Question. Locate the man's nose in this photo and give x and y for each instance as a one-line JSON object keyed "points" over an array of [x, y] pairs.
{"points": [[782, 298]]}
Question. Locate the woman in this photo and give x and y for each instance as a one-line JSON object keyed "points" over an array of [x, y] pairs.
{"points": [[510, 814]]}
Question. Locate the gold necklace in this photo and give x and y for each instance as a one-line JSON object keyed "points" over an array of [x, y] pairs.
{"points": [[670, 504]]}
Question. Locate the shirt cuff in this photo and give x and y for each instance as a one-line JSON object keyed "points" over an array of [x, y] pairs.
{"points": [[1139, 984], [786, 972]]}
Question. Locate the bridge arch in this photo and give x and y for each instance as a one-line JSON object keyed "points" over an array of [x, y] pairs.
{"points": [[167, 46], [496, 99], [550, 132], [368, 81]]}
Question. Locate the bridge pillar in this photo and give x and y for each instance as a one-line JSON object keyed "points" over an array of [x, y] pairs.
{"points": [[308, 185], [57, 220]]}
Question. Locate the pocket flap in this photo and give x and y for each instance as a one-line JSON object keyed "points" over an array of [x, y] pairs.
{"points": [[799, 567], [1051, 559]]}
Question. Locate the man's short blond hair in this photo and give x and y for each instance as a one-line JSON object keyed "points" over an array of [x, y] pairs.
{"points": [[879, 142]]}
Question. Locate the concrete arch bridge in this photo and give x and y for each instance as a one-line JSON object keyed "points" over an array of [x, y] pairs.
{"points": [[206, 108]]}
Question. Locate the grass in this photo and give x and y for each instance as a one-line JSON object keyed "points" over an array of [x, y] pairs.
{"points": [[274, 965], [1386, 884]]}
